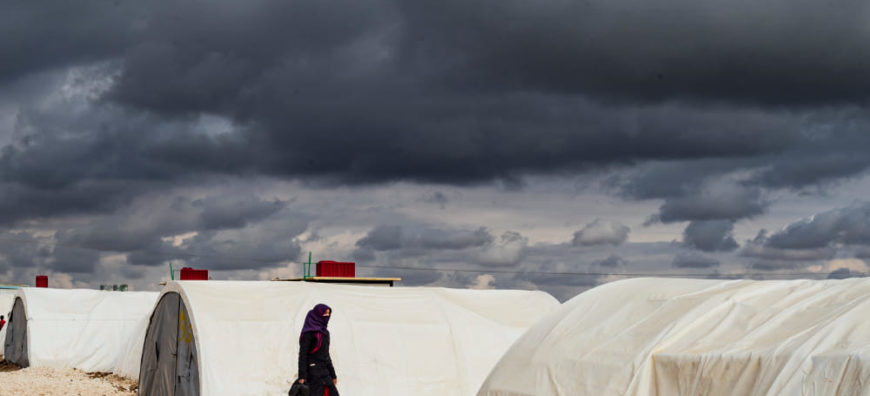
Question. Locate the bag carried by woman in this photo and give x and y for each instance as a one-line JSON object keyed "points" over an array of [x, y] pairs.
{"points": [[298, 389]]}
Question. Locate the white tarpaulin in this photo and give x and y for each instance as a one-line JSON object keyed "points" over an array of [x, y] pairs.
{"points": [[6, 298], [128, 365], [696, 337], [90, 330], [242, 338]]}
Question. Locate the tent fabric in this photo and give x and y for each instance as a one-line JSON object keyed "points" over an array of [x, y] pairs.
{"points": [[652, 336], [128, 366], [90, 330], [6, 299], [15, 340], [385, 341], [169, 358], [159, 353]]}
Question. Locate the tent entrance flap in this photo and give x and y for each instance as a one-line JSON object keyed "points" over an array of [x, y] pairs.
{"points": [[187, 371], [169, 354], [15, 345]]}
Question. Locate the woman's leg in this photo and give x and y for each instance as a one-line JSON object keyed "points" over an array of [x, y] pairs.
{"points": [[320, 382], [315, 388]]}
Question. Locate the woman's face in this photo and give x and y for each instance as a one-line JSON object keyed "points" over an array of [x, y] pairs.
{"points": [[326, 313]]}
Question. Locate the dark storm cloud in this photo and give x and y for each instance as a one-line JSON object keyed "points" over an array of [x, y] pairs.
{"points": [[411, 277], [219, 226], [812, 240], [810, 167], [360, 92], [284, 88], [694, 260], [437, 198], [831, 150], [774, 52], [784, 255], [76, 157], [415, 243], [383, 237], [710, 236], [612, 262], [581, 281], [219, 213], [26, 250], [844, 273], [72, 260], [773, 264], [153, 252], [821, 154], [703, 105], [768, 258], [364, 255], [422, 254], [76, 140], [35, 37], [250, 250], [771, 52], [658, 179], [147, 222], [269, 244], [508, 251], [23, 249], [600, 232], [19, 202], [727, 202], [563, 270], [394, 237], [849, 225], [420, 250], [132, 272], [693, 190]]}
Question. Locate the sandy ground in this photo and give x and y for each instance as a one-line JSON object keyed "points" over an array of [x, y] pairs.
{"points": [[46, 381]]}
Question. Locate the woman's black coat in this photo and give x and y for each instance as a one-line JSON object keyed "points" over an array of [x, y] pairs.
{"points": [[316, 367]]}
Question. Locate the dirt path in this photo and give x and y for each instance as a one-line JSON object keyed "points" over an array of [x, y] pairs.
{"points": [[47, 381]]}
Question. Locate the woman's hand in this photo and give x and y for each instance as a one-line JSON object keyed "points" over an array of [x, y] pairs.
{"points": [[335, 381], [301, 380]]}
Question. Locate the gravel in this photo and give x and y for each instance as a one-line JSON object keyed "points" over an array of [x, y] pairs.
{"points": [[48, 381]]}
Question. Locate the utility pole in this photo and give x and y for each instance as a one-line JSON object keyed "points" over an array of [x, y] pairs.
{"points": [[307, 269]]}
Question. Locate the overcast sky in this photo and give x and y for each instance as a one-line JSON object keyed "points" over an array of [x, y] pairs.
{"points": [[548, 144]]}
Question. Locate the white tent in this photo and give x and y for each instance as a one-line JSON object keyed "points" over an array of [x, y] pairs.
{"points": [[131, 355], [6, 298], [696, 337], [241, 338], [89, 330]]}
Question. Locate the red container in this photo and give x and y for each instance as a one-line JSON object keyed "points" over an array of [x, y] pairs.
{"points": [[338, 269], [41, 281], [188, 273]]}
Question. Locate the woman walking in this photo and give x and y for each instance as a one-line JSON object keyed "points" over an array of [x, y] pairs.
{"points": [[315, 365]]}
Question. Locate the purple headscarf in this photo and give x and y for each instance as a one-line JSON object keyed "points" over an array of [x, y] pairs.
{"points": [[315, 321]]}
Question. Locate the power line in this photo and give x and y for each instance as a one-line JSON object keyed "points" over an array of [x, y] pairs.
{"points": [[176, 255], [630, 274]]}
